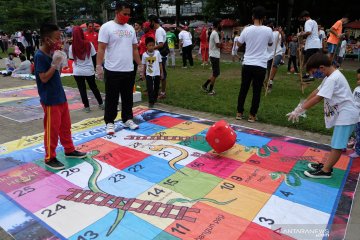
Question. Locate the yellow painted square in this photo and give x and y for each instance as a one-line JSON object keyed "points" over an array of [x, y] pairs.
{"points": [[191, 127], [238, 200], [237, 152], [161, 194]]}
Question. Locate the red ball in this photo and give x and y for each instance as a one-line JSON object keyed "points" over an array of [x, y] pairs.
{"points": [[221, 137]]}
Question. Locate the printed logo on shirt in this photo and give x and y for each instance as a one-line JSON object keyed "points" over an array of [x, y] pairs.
{"points": [[123, 33], [357, 95], [150, 61], [330, 111]]}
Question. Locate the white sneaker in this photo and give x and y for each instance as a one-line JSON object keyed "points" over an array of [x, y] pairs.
{"points": [[110, 129], [130, 124]]}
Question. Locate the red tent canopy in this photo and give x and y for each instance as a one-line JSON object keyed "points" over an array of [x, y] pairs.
{"points": [[227, 23], [97, 26], [353, 25]]}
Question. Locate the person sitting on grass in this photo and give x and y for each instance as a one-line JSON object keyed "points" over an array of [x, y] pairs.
{"points": [[340, 111], [25, 66], [151, 59], [9, 64]]}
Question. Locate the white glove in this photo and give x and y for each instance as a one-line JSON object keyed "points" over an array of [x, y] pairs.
{"points": [[99, 72], [294, 115], [58, 59]]}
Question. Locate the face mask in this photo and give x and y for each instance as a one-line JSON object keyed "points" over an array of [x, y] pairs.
{"points": [[55, 45], [122, 19]]}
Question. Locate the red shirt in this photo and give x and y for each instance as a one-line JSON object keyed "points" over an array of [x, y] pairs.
{"points": [[142, 45], [93, 38]]}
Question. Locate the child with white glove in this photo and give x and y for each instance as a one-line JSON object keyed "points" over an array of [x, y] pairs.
{"points": [[340, 111]]}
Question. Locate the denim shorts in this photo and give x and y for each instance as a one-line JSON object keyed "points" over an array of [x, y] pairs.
{"points": [[341, 136], [331, 47]]}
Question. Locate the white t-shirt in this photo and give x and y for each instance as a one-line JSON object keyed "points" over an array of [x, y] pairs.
{"points": [[235, 47], [160, 36], [313, 40], [83, 67], [356, 95], [214, 51], [119, 51], [322, 35], [152, 62], [9, 63], [186, 38], [342, 48], [339, 106], [271, 49], [257, 39]]}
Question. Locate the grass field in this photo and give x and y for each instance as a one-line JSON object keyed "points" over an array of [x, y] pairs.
{"points": [[183, 90]]}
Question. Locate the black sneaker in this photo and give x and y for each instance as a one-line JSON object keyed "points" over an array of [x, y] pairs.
{"points": [[318, 174], [316, 166], [54, 164], [204, 89], [75, 154]]}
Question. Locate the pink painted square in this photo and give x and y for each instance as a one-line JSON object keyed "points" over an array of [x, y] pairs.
{"points": [[41, 194], [22, 175], [216, 165]]}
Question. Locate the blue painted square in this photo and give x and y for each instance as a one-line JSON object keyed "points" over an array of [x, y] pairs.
{"points": [[130, 227], [249, 140], [152, 169], [148, 129], [310, 194], [123, 184]]}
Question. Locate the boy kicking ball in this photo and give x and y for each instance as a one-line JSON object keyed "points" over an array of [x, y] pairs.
{"points": [[57, 123], [340, 111]]}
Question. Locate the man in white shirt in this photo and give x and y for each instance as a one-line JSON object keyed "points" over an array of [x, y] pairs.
{"points": [[257, 38], [185, 39], [215, 44], [118, 43], [274, 53], [161, 45], [311, 33]]}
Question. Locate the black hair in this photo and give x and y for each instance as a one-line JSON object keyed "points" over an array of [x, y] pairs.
{"points": [[305, 14], [11, 54], [216, 22], [47, 29], [258, 12], [345, 16], [236, 32], [149, 40], [358, 71], [22, 57], [316, 60], [154, 18], [120, 5], [88, 23]]}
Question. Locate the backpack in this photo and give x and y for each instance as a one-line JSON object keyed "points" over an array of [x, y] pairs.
{"points": [[164, 51]]}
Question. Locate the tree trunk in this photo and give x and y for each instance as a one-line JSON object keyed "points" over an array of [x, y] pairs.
{"points": [[289, 16], [178, 3], [157, 8]]}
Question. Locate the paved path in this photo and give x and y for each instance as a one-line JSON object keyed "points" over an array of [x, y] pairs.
{"points": [[11, 130]]}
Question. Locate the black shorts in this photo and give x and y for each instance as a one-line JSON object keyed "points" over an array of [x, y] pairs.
{"points": [[215, 64], [309, 53]]}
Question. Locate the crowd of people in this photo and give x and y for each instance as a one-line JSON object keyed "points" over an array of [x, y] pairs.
{"points": [[146, 47]]}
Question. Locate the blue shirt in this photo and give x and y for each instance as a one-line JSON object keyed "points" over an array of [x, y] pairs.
{"points": [[52, 92]]}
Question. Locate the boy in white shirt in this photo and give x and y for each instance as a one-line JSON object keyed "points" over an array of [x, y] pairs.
{"points": [[10, 64], [341, 54], [151, 59], [235, 48], [356, 95], [340, 111]]}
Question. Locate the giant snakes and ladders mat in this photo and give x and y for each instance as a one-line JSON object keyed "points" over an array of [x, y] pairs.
{"points": [[163, 181], [22, 104]]}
